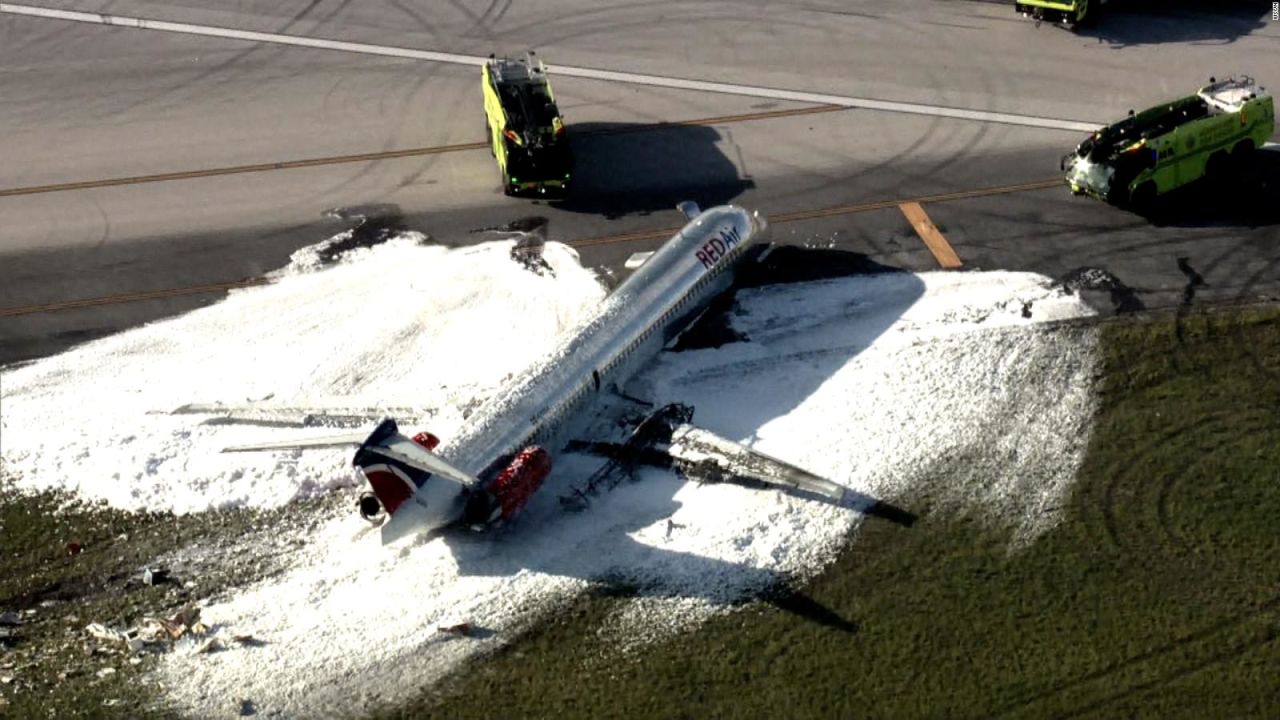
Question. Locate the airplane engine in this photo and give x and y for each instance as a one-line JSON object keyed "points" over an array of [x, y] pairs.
{"points": [[520, 479]]}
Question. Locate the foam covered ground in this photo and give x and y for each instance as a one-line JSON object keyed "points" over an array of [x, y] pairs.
{"points": [[400, 325], [882, 383]]}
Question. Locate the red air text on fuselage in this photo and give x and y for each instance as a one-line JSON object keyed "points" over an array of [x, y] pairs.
{"points": [[717, 247]]}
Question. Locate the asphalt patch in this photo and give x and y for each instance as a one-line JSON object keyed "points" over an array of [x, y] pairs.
{"points": [[374, 225], [795, 264]]}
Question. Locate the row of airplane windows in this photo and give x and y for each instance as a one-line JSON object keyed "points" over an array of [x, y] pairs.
{"points": [[585, 383], [662, 321]]}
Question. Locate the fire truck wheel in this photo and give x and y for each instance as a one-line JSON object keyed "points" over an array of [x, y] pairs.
{"points": [[1144, 197], [1216, 168], [1241, 154], [1082, 15]]}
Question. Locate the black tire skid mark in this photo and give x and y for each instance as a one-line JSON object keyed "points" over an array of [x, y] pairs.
{"points": [[415, 15], [1114, 475], [476, 20], [1207, 633], [1248, 293], [599, 20], [1171, 480], [236, 58]]}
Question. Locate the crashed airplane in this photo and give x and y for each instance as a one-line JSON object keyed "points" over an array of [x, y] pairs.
{"points": [[483, 477]]}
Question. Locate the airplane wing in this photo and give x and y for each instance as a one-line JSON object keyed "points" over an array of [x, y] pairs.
{"points": [[637, 259], [720, 459], [690, 210], [278, 415], [667, 439], [383, 446], [327, 441]]}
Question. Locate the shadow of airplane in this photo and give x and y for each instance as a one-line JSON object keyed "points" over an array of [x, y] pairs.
{"points": [[550, 541]]}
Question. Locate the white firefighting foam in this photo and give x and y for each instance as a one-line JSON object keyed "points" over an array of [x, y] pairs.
{"points": [[881, 383]]}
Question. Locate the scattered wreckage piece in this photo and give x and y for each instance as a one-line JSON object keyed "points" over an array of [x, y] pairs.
{"points": [[153, 632], [460, 629], [155, 576], [102, 632], [530, 235]]}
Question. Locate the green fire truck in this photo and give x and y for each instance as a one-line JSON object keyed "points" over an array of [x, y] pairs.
{"points": [[526, 132], [1208, 134], [1068, 12]]}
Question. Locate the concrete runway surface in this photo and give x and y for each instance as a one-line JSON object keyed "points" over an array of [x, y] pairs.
{"points": [[145, 170]]}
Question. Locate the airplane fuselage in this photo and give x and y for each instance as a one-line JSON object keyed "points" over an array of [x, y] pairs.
{"points": [[637, 320]]}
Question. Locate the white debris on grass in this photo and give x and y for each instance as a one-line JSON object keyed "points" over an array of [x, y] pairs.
{"points": [[882, 383]]}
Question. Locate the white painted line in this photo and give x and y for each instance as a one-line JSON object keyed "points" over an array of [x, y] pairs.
{"points": [[826, 99], [230, 33], [560, 70]]}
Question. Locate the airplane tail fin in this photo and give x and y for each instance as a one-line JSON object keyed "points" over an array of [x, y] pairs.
{"points": [[392, 479], [397, 465]]}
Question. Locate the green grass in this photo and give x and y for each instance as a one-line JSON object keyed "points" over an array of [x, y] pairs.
{"points": [[1157, 596], [52, 662]]}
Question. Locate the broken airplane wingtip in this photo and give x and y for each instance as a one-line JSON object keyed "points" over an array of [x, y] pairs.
{"points": [[689, 208], [637, 259]]}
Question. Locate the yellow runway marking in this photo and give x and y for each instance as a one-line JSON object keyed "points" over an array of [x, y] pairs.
{"points": [[132, 297], [928, 232]]}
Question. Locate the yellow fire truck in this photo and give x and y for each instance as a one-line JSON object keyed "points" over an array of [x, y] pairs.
{"points": [[526, 132], [1147, 154]]}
